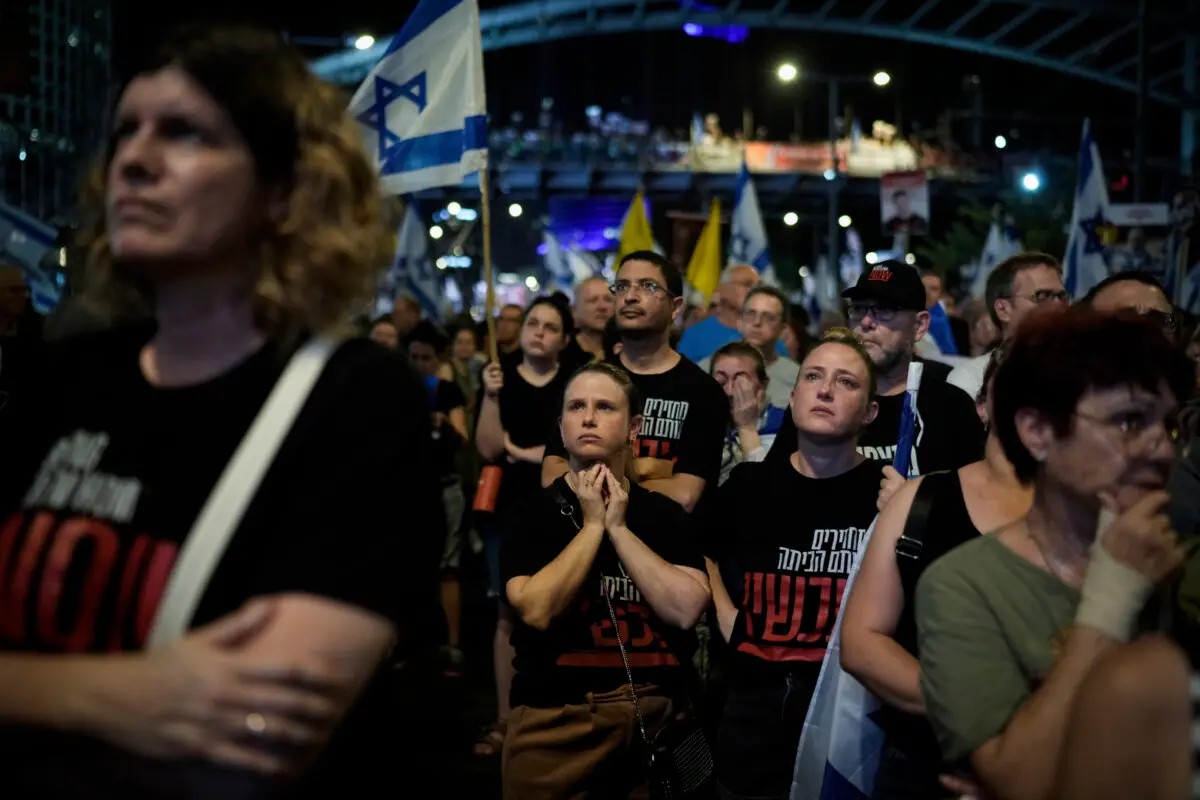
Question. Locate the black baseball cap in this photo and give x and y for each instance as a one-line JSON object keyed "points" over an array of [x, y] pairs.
{"points": [[889, 283]]}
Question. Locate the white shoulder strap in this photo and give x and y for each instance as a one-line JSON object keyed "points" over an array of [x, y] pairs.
{"points": [[223, 511]]}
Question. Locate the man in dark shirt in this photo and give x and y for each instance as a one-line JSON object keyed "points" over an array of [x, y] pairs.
{"points": [[887, 312], [678, 451]]}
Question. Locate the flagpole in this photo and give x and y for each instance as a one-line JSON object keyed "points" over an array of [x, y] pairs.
{"points": [[490, 303]]}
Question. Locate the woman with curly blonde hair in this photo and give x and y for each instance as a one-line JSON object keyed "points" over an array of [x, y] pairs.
{"points": [[235, 210]]}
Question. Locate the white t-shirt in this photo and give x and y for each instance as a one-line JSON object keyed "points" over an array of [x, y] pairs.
{"points": [[969, 376]]}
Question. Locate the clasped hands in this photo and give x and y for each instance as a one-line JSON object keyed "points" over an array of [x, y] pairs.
{"points": [[603, 498]]}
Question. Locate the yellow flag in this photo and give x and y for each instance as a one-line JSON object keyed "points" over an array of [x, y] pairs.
{"points": [[635, 229], [704, 268]]}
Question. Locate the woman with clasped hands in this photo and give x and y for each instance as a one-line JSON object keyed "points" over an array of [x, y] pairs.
{"points": [[1011, 624], [596, 564]]}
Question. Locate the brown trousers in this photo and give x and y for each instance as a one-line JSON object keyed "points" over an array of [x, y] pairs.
{"points": [[590, 751]]}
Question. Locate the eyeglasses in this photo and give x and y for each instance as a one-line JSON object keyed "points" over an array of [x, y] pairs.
{"points": [[857, 311], [765, 317], [644, 286], [1043, 296], [1134, 426], [1165, 320]]}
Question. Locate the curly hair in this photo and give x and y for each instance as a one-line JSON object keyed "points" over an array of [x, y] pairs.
{"points": [[319, 262]]}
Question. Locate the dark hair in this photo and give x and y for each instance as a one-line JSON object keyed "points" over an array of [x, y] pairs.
{"points": [[520, 310], [1056, 358], [845, 336], [785, 305], [558, 302], [1133, 275], [1000, 282], [383, 320], [619, 377], [740, 350], [426, 332], [672, 277]]}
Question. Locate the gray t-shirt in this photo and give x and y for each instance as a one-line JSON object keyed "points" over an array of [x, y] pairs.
{"points": [[990, 625]]}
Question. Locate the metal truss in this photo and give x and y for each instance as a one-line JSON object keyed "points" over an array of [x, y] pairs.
{"points": [[1090, 39]]}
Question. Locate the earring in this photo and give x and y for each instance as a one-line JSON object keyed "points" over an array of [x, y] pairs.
{"points": [[1040, 458]]}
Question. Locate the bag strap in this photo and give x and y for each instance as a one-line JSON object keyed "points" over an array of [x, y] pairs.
{"points": [[568, 511], [223, 511], [910, 546]]}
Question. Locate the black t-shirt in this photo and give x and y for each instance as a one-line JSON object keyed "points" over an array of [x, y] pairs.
{"points": [[98, 505], [529, 416], [579, 652], [445, 396], [949, 433], [785, 544], [683, 422]]}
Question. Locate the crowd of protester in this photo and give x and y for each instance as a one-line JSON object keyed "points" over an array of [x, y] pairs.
{"points": [[668, 503]]}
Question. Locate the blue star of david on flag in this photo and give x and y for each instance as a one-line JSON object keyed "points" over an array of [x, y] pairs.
{"points": [[434, 69], [386, 93], [1091, 231]]}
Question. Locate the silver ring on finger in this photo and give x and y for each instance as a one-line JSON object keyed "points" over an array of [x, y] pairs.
{"points": [[256, 724]]}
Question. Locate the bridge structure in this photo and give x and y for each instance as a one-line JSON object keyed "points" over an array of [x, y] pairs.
{"points": [[1145, 47]]}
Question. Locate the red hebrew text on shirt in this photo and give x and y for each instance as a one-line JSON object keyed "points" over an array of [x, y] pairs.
{"points": [[74, 576], [788, 613], [644, 646]]}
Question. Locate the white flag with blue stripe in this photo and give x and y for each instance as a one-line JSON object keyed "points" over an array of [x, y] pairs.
{"points": [[748, 234], [423, 108], [1085, 265], [413, 270], [558, 265]]}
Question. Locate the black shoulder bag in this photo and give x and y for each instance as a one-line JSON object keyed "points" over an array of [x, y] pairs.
{"points": [[910, 547], [679, 763]]}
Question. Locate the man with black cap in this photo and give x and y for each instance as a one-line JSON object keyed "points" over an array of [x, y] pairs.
{"points": [[886, 310]]}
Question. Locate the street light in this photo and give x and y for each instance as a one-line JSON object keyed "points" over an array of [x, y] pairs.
{"points": [[881, 78], [364, 42], [515, 210], [844, 220], [1000, 142], [436, 232], [791, 218], [787, 72], [1031, 182], [453, 207]]}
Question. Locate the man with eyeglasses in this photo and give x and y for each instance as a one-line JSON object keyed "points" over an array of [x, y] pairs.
{"points": [[763, 319], [678, 451], [1017, 286], [703, 339]]}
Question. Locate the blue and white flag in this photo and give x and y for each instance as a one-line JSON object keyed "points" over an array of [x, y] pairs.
{"points": [[27, 242], [413, 270], [558, 265], [748, 234], [422, 108], [1084, 265], [1002, 242], [840, 742]]}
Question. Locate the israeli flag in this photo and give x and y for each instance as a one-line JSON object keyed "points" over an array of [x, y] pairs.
{"points": [[422, 108], [1084, 265], [1002, 242], [412, 270], [558, 265], [27, 243], [840, 743], [748, 234]]}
